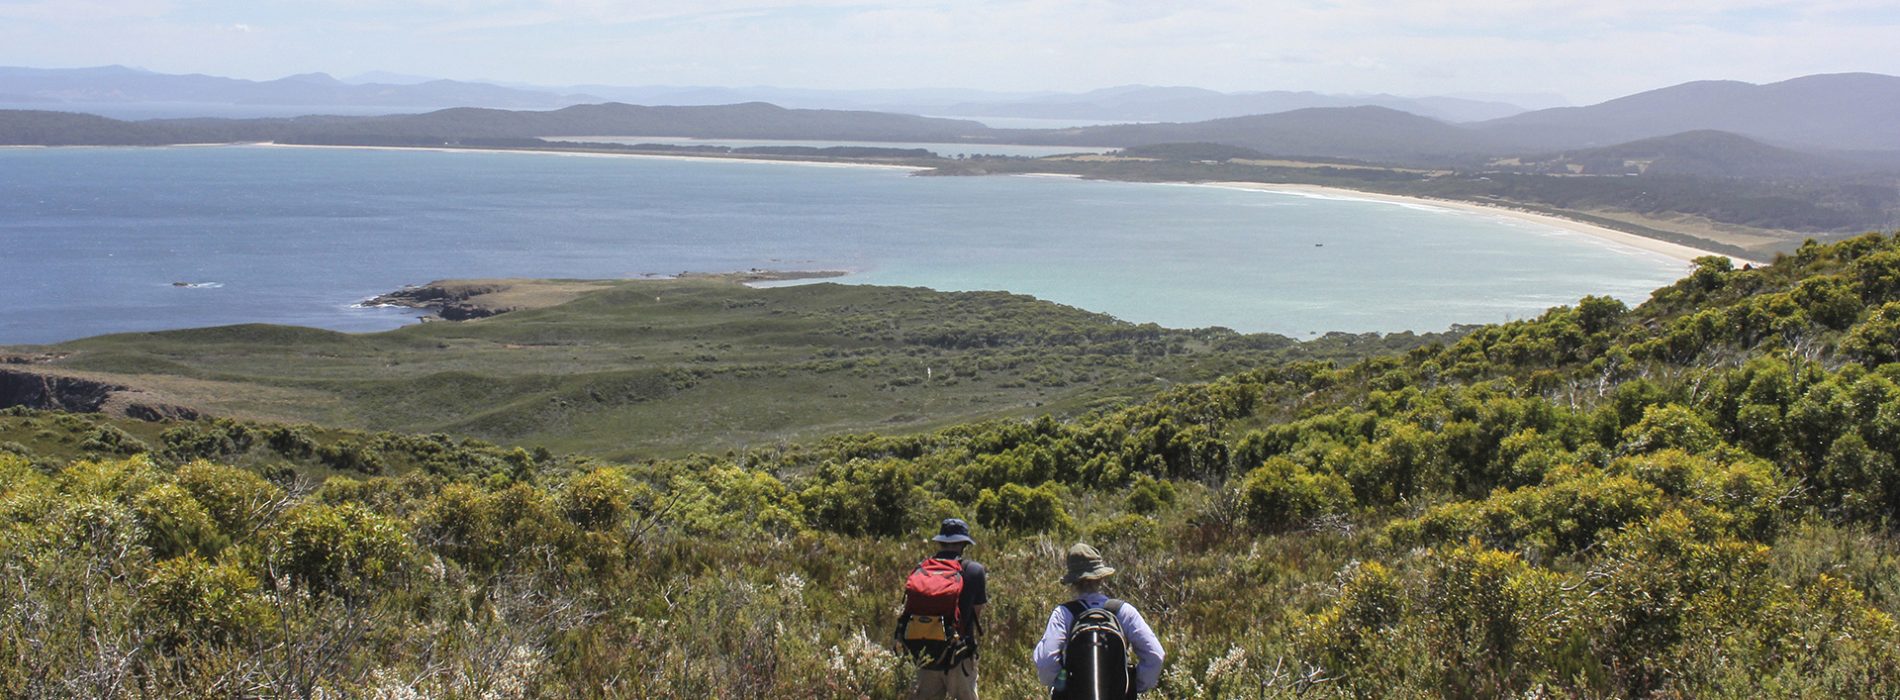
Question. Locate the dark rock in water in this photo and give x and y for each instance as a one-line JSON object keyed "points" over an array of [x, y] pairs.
{"points": [[449, 302], [428, 296]]}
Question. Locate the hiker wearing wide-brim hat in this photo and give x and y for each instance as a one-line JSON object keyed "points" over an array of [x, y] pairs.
{"points": [[944, 596], [1085, 564], [954, 531], [1092, 642]]}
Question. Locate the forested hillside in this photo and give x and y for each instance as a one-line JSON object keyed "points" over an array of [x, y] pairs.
{"points": [[1690, 498], [1369, 133], [1839, 111], [1777, 214]]}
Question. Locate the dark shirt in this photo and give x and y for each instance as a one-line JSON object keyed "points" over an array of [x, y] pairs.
{"points": [[975, 592]]}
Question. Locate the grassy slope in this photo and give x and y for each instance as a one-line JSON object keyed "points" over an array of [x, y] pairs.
{"points": [[1693, 498], [651, 368]]}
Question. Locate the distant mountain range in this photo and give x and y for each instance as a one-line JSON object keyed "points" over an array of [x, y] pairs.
{"points": [[1141, 103], [1128, 103], [1850, 112], [1851, 117], [1816, 126], [1703, 153], [464, 124], [118, 84], [1361, 133], [752, 120], [1844, 111]]}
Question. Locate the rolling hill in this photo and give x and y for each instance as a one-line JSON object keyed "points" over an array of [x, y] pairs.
{"points": [[638, 368], [1846, 111], [1364, 133], [751, 120], [119, 84], [1704, 153], [1143, 103]]}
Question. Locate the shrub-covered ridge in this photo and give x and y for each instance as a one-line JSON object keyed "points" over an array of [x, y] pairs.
{"points": [[1690, 498]]}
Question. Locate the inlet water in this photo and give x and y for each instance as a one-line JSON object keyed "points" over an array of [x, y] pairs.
{"points": [[100, 240]]}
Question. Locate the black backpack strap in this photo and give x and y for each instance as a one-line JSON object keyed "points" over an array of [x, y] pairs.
{"points": [[1114, 606], [1075, 608]]}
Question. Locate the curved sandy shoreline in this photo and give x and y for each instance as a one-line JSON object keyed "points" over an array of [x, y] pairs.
{"points": [[1602, 234], [1609, 235]]}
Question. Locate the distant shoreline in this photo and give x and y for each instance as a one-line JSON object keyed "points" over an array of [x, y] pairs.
{"points": [[584, 153], [1599, 233], [1678, 251]]}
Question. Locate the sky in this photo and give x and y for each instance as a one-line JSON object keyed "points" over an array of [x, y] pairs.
{"points": [[1584, 51]]}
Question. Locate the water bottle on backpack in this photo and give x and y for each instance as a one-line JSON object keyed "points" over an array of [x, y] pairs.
{"points": [[1096, 663], [1096, 647]]}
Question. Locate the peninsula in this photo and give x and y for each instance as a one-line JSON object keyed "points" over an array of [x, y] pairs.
{"points": [[1781, 164]]}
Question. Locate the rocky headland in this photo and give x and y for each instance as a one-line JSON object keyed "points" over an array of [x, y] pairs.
{"points": [[464, 300]]}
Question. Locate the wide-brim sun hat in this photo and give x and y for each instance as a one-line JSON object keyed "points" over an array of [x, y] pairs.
{"points": [[953, 530], [1085, 564]]}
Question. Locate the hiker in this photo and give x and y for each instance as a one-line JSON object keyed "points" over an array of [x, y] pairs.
{"points": [[943, 598], [1084, 653]]}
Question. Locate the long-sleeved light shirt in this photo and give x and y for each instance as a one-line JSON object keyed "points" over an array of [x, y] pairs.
{"points": [[1141, 639]]}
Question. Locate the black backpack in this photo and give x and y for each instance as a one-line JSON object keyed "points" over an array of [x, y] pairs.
{"points": [[1096, 663]]}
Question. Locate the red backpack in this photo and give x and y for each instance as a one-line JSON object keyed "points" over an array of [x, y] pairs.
{"points": [[931, 623]]}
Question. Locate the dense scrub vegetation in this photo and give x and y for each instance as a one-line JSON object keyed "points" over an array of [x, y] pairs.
{"points": [[1835, 205], [1691, 498]]}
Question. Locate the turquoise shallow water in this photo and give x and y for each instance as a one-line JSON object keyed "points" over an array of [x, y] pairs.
{"points": [[92, 240]]}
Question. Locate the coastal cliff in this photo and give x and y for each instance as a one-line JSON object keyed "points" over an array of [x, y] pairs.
{"points": [[57, 392]]}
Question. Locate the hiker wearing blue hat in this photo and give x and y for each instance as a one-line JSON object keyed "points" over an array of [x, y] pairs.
{"points": [[938, 629]]}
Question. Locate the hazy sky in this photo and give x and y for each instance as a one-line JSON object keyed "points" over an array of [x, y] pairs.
{"points": [[1587, 51]]}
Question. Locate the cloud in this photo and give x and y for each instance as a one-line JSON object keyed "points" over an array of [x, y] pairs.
{"points": [[83, 10]]}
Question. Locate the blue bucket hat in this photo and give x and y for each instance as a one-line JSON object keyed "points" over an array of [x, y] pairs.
{"points": [[953, 530]]}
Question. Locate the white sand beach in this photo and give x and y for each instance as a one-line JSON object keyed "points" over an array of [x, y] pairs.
{"points": [[1607, 235]]}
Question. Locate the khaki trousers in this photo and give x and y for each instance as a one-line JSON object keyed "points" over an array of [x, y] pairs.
{"points": [[957, 682]]}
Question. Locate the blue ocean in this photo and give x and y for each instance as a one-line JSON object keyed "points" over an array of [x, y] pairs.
{"points": [[106, 240]]}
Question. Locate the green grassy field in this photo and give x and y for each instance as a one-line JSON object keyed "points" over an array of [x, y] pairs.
{"points": [[641, 369]]}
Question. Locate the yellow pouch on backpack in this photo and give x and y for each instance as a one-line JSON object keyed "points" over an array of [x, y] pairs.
{"points": [[925, 628]]}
